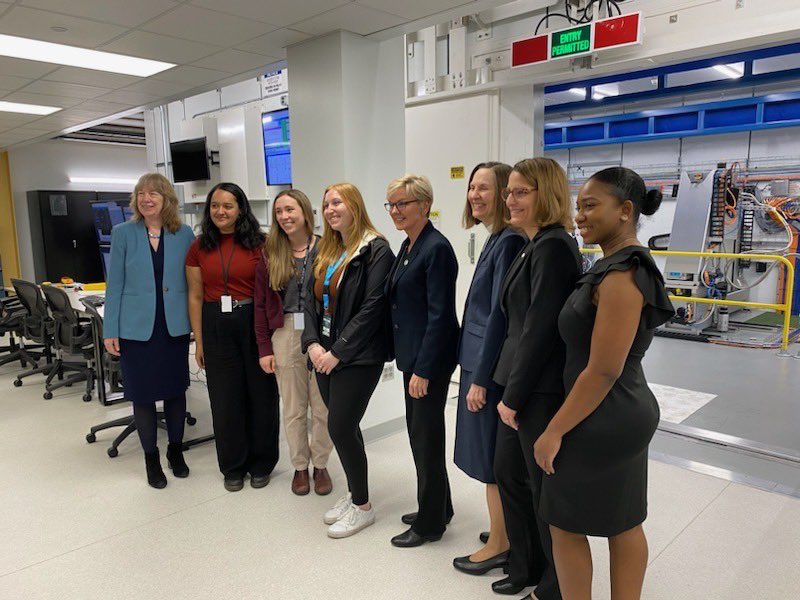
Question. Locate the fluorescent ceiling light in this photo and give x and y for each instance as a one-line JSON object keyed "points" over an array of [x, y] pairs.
{"points": [[604, 91], [578, 91], [113, 180], [61, 54], [732, 71], [28, 109]]}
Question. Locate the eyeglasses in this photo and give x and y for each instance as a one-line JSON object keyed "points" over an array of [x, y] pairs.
{"points": [[518, 193], [400, 206]]}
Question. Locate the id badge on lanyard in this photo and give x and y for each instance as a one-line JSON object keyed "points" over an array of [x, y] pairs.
{"points": [[327, 315], [226, 300]]}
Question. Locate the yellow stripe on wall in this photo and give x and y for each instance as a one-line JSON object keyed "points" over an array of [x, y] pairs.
{"points": [[9, 252]]}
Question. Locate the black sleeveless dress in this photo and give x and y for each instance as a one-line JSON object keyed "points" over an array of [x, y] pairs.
{"points": [[599, 487]]}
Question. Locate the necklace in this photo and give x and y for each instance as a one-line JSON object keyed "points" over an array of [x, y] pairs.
{"points": [[154, 236]]}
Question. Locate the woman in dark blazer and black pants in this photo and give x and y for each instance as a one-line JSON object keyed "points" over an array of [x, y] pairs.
{"points": [[531, 363], [422, 295]]}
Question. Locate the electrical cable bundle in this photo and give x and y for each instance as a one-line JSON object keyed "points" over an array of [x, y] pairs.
{"points": [[611, 5]]}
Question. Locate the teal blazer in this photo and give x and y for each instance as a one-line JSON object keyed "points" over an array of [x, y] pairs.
{"points": [[130, 307]]}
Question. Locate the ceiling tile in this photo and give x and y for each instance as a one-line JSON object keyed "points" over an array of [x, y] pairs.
{"points": [[109, 108], [190, 75], [29, 69], [58, 88], [121, 12], [44, 99], [36, 24], [12, 120], [273, 43], [58, 121], [162, 89], [130, 98], [352, 17], [279, 13], [111, 81], [9, 83], [201, 25], [235, 61], [413, 9], [160, 47]]}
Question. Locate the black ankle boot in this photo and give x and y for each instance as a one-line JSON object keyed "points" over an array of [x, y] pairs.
{"points": [[175, 460], [155, 476]]}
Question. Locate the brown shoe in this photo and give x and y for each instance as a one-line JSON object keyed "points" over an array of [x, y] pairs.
{"points": [[300, 484], [322, 482]]}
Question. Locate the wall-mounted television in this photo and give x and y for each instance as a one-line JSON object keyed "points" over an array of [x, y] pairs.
{"points": [[277, 147], [190, 160]]}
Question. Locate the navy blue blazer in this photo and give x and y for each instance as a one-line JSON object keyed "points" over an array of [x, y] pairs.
{"points": [[484, 296], [130, 307], [421, 289]]}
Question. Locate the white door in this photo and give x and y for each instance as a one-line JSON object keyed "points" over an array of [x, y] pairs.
{"points": [[465, 135]]}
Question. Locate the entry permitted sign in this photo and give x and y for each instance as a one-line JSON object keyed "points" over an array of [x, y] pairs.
{"points": [[571, 42]]}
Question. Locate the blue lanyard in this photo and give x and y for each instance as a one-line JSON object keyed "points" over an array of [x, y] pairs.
{"points": [[326, 284]]}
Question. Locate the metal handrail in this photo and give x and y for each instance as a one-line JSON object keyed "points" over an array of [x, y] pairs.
{"points": [[785, 307]]}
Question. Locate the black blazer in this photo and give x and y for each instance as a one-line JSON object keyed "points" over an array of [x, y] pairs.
{"points": [[535, 289], [358, 328], [422, 304]]}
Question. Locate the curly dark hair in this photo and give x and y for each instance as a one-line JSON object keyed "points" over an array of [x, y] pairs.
{"points": [[248, 230]]}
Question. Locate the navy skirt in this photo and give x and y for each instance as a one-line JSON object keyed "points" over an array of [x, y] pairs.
{"points": [[157, 369], [476, 433]]}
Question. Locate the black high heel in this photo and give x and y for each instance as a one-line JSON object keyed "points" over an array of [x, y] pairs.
{"points": [[465, 565]]}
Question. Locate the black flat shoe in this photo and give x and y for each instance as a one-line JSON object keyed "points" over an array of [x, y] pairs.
{"points": [[465, 565], [411, 539], [409, 519], [234, 484], [508, 587], [484, 537], [259, 481]]}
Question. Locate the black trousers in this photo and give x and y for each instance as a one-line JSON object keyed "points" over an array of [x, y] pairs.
{"points": [[244, 399], [425, 421], [346, 393], [519, 480]]}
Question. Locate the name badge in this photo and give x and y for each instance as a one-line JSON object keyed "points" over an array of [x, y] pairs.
{"points": [[326, 326], [299, 321], [226, 303]]}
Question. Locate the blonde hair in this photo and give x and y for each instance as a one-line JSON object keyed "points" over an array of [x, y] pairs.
{"points": [[498, 220], [278, 248], [554, 203], [170, 215], [417, 186], [332, 245]]}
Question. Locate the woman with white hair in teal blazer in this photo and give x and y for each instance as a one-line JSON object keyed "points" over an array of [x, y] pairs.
{"points": [[146, 320]]}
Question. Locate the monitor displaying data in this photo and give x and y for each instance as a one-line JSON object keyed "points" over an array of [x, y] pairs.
{"points": [[277, 147], [106, 215]]}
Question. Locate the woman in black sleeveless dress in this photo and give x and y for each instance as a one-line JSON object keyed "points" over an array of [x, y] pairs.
{"points": [[594, 450]]}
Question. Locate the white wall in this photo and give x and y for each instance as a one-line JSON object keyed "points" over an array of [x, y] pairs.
{"points": [[48, 166]]}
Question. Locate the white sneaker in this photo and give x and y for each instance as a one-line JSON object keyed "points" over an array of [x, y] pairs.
{"points": [[339, 509], [353, 521]]}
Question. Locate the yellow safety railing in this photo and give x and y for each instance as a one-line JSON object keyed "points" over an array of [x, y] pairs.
{"points": [[785, 307]]}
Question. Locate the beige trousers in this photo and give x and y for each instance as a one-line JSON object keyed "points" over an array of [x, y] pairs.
{"points": [[299, 392]]}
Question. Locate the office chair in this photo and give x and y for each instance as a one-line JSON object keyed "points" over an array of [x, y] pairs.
{"points": [[11, 315], [72, 336], [113, 374], [37, 327]]}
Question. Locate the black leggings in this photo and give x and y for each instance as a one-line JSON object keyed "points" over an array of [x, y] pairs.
{"points": [[145, 417], [346, 393]]}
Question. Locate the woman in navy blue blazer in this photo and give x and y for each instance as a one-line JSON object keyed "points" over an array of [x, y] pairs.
{"points": [[478, 395], [146, 319], [422, 297]]}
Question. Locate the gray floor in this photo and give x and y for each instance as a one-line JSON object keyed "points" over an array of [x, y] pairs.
{"points": [[76, 524]]}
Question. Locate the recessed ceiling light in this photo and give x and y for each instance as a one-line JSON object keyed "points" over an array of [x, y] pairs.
{"points": [[111, 180], [27, 109], [61, 54]]}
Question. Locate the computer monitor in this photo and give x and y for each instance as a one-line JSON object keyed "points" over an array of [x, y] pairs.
{"points": [[106, 215], [277, 147], [190, 160]]}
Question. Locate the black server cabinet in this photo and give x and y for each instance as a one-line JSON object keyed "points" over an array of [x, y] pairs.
{"points": [[63, 236]]}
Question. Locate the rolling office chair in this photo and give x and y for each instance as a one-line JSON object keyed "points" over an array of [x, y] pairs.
{"points": [[37, 327], [113, 374], [72, 336], [11, 325]]}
